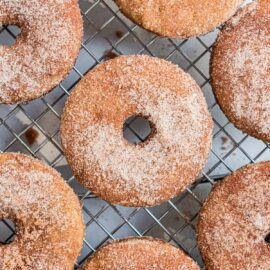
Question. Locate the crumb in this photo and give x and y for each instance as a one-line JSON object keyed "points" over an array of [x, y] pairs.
{"points": [[31, 136], [223, 148], [109, 55], [119, 34], [224, 140]]}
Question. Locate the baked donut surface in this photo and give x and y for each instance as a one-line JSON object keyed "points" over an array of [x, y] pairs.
{"points": [[235, 221], [46, 213], [179, 18], [142, 174], [240, 70], [45, 50], [143, 253]]}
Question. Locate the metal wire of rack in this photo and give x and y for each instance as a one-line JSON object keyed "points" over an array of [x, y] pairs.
{"points": [[33, 129]]}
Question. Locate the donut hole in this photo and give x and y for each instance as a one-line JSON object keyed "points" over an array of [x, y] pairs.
{"points": [[9, 34], [267, 238], [7, 231], [137, 129]]}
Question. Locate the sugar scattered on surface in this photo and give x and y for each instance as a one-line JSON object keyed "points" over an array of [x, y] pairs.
{"points": [[140, 254], [185, 18], [45, 50], [248, 9], [176, 142], [241, 68], [36, 200], [252, 100], [181, 141], [236, 219]]}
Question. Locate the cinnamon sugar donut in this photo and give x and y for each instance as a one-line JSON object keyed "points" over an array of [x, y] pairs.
{"points": [[46, 213], [143, 174], [240, 70], [45, 50], [179, 18], [235, 221], [143, 253]]}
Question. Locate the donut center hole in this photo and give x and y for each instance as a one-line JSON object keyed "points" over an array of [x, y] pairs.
{"points": [[7, 231], [267, 238], [9, 34], [137, 129]]}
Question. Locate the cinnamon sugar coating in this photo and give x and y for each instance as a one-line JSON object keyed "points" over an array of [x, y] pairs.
{"points": [[45, 50], [143, 253], [235, 220], [240, 70], [46, 213], [144, 174], [179, 18]]}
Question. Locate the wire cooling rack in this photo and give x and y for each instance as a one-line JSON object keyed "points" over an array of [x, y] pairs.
{"points": [[33, 129]]}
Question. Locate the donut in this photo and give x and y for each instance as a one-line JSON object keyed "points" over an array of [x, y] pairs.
{"points": [[179, 18], [143, 174], [46, 213], [240, 70], [44, 52], [143, 253], [235, 221]]}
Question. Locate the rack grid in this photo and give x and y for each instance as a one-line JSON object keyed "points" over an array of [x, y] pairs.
{"points": [[33, 129]]}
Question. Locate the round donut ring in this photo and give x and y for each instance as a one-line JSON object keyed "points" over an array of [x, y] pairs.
{"points": [[143, 253], [235, 221], [179, 18], [44, 52], [240, 70], [46, 213], [143, 174]]}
